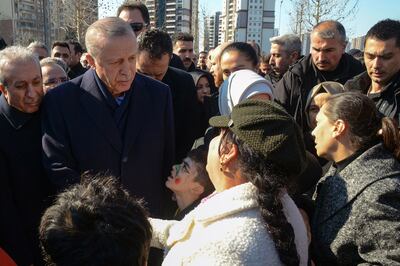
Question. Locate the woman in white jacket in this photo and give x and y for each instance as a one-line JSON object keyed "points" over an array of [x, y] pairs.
{"points": [[250, 219]]}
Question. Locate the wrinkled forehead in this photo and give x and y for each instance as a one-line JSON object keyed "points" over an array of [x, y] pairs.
{"points": [[326, 34], [20, 69], [276, 47], [114, 46], [53, 71]]}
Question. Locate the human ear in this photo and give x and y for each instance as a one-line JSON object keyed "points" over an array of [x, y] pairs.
{"points": [[339, 128], [3, 89], [197, 189], [293, 57], [230, 153], [91, 60]]}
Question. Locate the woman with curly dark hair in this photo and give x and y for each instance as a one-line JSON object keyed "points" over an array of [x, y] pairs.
{"points": [[250, 219], [357, 215]]}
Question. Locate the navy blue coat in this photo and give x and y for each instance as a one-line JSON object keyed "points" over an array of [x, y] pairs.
{"points": [[80, 134]]}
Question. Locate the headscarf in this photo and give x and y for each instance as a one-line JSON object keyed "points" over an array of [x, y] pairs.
{"points": [[241, 85]]}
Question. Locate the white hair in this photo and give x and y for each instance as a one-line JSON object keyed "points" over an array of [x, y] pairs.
{"points": [[15, 54]]}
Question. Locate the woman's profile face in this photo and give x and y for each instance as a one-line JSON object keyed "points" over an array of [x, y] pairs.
{"points": [[325, 141], [233, 61], [315, 106], [203, 89]]}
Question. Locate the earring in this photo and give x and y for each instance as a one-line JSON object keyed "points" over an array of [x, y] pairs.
{"points": [[223, 166]]}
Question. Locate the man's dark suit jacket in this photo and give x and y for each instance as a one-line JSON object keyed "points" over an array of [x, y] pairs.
{"points": [[80, 134], [76, 71], [186, 110], [24, 189]]}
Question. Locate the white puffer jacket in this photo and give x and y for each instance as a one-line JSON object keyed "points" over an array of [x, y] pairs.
{"points": [[226, 229]]}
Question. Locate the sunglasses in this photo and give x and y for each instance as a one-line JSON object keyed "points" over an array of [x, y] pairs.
{"points": [[137, 26]]}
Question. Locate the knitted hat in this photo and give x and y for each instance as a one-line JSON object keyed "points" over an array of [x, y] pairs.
{"points": [[268, 129]]}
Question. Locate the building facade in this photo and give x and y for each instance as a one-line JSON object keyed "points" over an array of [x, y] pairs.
{"points": [[212, 31], [358, 43], [24, 21], [248, 20], [208, 33], [175, 16]]}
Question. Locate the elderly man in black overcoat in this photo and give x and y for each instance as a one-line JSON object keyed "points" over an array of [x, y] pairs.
{"points": [[24, 189], [111, 119]]}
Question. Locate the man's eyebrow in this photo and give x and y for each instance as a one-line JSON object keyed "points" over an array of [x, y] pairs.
{"points": [[380, 54]]}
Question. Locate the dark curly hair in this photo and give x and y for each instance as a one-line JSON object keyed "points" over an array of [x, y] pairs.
{"points": [[156, 42], [95, 223], [270, 180]]}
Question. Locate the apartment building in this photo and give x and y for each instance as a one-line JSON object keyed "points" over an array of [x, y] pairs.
{"points": [[175, 16], [248, 20]]}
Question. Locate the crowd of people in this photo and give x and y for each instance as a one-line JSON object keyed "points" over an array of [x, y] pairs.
{"points": [[135, 151]]}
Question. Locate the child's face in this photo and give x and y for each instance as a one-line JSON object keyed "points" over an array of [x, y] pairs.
{"points": [[182, 176]]}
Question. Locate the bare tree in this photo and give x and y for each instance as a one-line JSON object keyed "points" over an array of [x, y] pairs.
{"points": [[71, 18], [297, 16], [307, 13], [23, 38], [203, 32], [78, 15]]}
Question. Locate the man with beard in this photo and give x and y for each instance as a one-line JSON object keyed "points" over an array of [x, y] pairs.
{"points": [[285, 51], [326, 62], [183, 47]]}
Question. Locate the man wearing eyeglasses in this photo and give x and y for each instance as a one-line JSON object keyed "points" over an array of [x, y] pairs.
{"points": [[136, 14], [52, 73]]}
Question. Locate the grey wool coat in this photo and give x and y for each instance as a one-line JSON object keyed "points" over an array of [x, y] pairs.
{"points": [[357, 216]]}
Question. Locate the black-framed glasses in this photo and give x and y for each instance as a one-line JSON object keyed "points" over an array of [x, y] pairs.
{"points": [[137, 26], [55, 81]]}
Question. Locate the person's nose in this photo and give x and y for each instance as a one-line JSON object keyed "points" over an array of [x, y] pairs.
{"points": [[272, 60], [377, 63], [322, 56], [125, 68], [31, 91]]}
